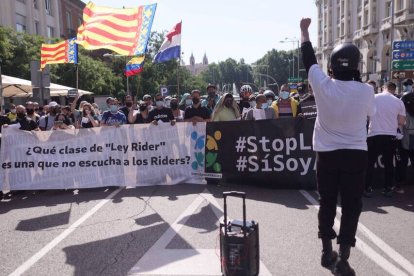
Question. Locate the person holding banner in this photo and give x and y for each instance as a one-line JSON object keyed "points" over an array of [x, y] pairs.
{"points": [[262, 110], [113, 117], [140, 117], [340, 141], [226, 109], [196, 113], [160, 112]]}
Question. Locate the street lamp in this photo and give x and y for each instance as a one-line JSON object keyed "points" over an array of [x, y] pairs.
{"points": [[126, 62], [293, 40]]}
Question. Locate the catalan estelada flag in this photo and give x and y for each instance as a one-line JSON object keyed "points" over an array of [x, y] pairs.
{"points": [[62, 52], [124, 31], [134, 66]]}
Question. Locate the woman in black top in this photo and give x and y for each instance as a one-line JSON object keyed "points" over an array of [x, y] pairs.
{"points": [[88, 119], [139, 117]]}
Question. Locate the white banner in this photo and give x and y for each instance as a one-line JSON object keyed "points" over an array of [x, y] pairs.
{"points": [[129, 155]]}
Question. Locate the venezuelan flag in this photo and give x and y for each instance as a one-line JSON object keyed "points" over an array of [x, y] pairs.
{"points": [[62, 52], [134, 66], [124, 31]]}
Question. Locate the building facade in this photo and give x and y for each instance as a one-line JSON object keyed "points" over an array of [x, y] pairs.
{"points": [[197, 68], [71, 12], [48, 18], [367, 24]]}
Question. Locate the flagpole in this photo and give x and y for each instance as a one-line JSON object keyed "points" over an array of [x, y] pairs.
{"points": [[77, 78], [178, 76]]}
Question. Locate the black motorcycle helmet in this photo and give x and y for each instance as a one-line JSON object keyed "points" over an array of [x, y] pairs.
{"points": [[345, 58], [408, 100]]}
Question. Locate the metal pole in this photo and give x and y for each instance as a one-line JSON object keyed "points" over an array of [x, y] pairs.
{"points": [[293, 65], [77, 78], [1, 92], [42, 100], [392, 38]]}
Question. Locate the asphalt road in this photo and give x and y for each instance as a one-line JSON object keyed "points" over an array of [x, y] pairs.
{"points": [[173, 230]]}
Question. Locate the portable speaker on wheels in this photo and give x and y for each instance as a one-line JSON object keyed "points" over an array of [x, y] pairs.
{"points": [[239, 243]]}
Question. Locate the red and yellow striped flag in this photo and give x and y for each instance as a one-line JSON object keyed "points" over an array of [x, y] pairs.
{"points": [[62, 52], [124, 31]]}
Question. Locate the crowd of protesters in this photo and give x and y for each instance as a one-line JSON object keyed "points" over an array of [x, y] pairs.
{"points": [[197, 106]]}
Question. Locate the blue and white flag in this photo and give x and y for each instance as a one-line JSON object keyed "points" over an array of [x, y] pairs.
{"points": [[171, 47]]}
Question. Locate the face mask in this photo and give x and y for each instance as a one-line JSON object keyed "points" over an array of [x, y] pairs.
{"points": [[211, 94], [408, 88], [252, 104], [159, 103], [174, 105], [168, 103], [113, 108], [269, 102], [188, 102], [128, 104], [30, 111], [21, 115], [228, 103], [196, 100], [265, 105], [284, 95], [13, 110], [142, 108]]}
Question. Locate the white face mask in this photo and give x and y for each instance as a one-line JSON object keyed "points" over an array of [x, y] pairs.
{"points": [[168, 103], [265, 105], [188, 102], [159, 103], [269, 102], [13, 110], [408, 88], [284, 94], [252, 104]]}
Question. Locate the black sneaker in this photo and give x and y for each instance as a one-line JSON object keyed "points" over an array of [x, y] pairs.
{"points": [[368, 192], [342, 268], [387, 192], [328, 258]]}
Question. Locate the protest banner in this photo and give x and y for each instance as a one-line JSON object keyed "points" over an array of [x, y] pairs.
{"points": [[130, 155]]}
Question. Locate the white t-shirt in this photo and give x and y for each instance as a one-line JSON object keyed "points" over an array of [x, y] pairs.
{"points": [[343, 109], [385, 121]]}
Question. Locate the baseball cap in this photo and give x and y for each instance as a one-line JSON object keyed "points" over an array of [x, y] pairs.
{"points": [[146, 96], [53, 104]]}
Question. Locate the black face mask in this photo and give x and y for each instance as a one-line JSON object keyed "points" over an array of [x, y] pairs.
{"points": [[128, 104], [174, 105], [21, 115], [142, 108], [228, 103], [30, 111], [196, 100], [211, 94]]}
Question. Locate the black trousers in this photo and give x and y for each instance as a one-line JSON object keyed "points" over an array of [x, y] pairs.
{"points": [[385, 145], [340, 172]]}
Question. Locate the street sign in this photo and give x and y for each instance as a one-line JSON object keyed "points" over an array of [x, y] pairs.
{"points": [[398, 55], [164, 91], [403, 74], [403, 65], [403, 45]]}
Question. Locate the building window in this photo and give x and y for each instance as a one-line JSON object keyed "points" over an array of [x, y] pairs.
{"points": [[35, 4], [400, 5], [22, 1], [69, 20], [37, 29], [388, 9], [50, 31], [20, 23], [48, 7]]}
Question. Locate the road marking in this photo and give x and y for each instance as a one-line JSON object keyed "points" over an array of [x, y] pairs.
{"points": [[162, 261], [369, 251], [42, 252]]}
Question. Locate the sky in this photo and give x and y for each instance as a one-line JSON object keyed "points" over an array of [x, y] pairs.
{"points": [[229, 28]]}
